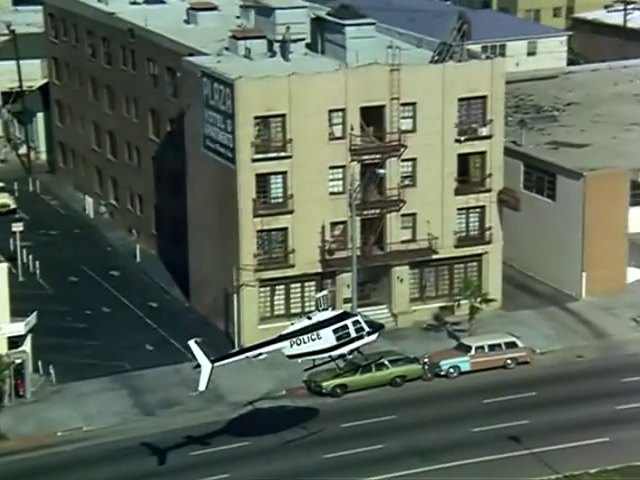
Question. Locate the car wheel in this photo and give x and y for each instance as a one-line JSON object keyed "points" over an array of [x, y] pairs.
{"points": [[397, 381], [453, 372], [338, 391], [510, 363]]}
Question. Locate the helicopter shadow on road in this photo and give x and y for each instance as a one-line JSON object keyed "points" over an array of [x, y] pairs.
{"points": [[257, 422]]}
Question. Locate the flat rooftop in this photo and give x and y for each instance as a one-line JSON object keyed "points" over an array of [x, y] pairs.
{"points": [[167, 18], [614, 16], [23, 19], [584, 120]]}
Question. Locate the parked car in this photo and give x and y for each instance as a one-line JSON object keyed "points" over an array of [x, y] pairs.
{"points": [[7, 201], [479, 352], [377, 369]]}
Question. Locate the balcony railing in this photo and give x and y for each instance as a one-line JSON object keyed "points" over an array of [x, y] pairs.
{"points": [[376, 203], [468, 185], [274, 260], [472, 132], [264, 207], [337, 255], [473, 239], [366, 147], [269, 150]]}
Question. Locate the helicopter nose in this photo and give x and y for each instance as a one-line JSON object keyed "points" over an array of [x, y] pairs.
{"points": [[375, 327]]}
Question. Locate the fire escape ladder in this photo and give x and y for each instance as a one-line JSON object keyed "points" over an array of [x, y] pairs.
{"points": [[453, 48], [394, 61]]}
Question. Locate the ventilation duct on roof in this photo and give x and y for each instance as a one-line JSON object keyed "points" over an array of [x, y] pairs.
{"points": [[347, 35], [201, 13]]}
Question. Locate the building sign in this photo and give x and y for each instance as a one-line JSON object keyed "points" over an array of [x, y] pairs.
{"points": [[218, 137]]}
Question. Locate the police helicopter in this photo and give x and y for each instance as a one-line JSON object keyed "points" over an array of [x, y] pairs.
{"points": [[327, 335]]}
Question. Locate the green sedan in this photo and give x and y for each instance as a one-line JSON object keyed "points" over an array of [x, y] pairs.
{"points": [[374, 370]]}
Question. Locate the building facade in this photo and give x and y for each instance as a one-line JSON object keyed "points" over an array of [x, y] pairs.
{"points": [[117, 122], [269, 218], [604, 35], [555, 13]]}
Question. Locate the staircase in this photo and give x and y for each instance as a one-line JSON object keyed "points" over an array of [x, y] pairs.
{"points": [[379, 313]]}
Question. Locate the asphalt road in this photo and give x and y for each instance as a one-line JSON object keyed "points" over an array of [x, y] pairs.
{"points": [[525, 423], [98, 314]]}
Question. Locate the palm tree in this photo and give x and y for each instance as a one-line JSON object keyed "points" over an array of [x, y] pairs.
{"points": [[476, 298]]}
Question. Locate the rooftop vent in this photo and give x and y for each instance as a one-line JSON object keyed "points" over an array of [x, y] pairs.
{"points": [[201, 13], [346, 12]]}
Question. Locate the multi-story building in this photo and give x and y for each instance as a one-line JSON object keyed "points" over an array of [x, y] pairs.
{"points": [[303, 107], [116, 101]]}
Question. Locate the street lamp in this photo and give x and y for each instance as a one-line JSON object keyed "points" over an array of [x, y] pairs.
{"points": [[354, 188], [23, 101]]}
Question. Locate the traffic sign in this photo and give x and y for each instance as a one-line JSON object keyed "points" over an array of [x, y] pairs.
{"points": [[17, 227]]}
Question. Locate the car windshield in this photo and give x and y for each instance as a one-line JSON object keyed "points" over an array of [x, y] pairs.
{"points": [[349, 368], [462, 348]]}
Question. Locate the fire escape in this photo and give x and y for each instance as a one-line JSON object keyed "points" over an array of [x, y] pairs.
{"points": [[372, 148], [454, 48]]}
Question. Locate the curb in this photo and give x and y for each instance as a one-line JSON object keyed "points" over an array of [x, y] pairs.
{"points": [[38, 441], [297, 391]]}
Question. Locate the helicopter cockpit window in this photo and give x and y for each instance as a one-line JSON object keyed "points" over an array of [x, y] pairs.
{"points": [[358, 326], [342, 333]]}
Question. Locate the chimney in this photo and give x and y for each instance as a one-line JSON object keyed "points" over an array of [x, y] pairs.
{"points": [[201, 13]]}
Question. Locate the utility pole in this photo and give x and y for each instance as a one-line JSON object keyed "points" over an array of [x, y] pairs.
{"points": [[625, 12], [353, 232], [23, 100], [236, 319]]}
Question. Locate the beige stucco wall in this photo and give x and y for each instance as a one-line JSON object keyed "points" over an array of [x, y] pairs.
{"points": [[5, 303], [306, 99], [519, 8]]}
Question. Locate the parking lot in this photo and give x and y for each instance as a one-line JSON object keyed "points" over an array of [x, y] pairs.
{"points": [[98, 314]]}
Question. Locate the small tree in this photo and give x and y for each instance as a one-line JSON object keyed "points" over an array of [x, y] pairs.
{"points": [[476, 298]]}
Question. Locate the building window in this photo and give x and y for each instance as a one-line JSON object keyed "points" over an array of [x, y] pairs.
{"points": [[113, 191], [472, 169], [270, 134], [72, 158], [152, 71], [470, 222], [107, 56], [55, 70], [96, 136], [539, 182], [93, 89], [272, 244], [532, 14], [52, 23], [571, 10], [337, 124], [62, 155], [109, 99], [532, 48], [338, 235], [472, 112], [172, 82], [59, 113], [408, 225], [337, 181], [494, 50], [154, 124], [124, 58], [92, 51], [64, 30], [408, 117], [139, 205], [131, 199], [557, 12], [634, 194], [112, 145], [271, 188], [443, 280], [75, 34], [286, 300], [133, 62], [408, 172], [98, 180]]}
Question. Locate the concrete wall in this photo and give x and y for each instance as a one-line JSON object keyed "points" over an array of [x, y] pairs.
{"points": [[436, 89], [633, 220], [594, 41], [545, 238], [551, 55], [606, 247]]}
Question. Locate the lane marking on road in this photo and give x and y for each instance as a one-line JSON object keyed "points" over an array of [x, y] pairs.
{"points": [[630, 379], [134, 309], [217, 477], [53, 203], [510, 397], [367, 421], [219, 449], [45, 285], [22, 215], [491, 458], [628, 406], [500, 425], [353, 452]]}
